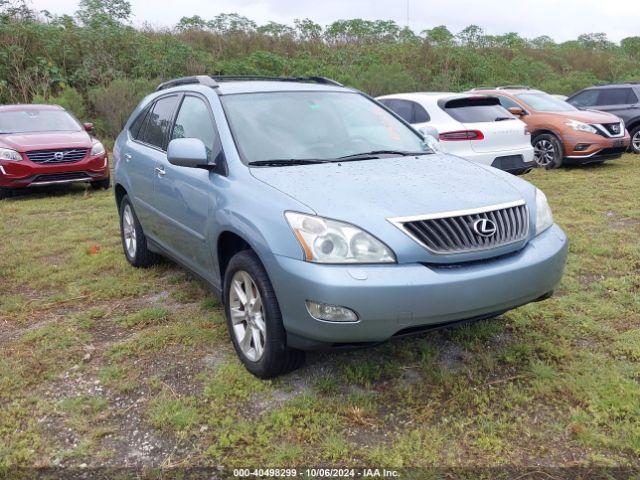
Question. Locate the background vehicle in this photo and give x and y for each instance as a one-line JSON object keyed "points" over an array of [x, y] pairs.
{"points": [[321, 219], [45, 145], [620, 100], [560, 133], [471, 126]]}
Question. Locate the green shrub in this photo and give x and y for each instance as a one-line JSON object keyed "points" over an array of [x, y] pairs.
{"points": [[112, 104], [69, 99]]}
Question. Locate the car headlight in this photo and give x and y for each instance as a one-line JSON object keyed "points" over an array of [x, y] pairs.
{"points": [[330, 241], [580, 126], [544, 217], [97, 149], [11, 155]]}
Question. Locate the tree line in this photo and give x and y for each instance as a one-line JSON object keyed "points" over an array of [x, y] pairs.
{"points": [[97, 64]]}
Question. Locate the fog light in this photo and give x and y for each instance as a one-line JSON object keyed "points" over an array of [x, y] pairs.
{"points": [[581, 147], [331, 313]]}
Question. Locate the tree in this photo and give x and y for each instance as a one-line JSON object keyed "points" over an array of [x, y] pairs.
{"points": [[439, 35], [595, 41], [226, 23], [97, 12], [472, 36], [307, 30], [274, 29], [631, 46], [195, 22]]}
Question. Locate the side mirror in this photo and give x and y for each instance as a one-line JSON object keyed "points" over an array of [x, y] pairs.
{"points": [[431, 138], [88, 126], [517, 111], [188, 152]]}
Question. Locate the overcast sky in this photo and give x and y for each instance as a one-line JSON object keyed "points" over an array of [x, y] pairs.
{"points": [[559, 19]]}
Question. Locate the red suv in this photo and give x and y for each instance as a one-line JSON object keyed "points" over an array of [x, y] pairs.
{"points": [[45, 145]]}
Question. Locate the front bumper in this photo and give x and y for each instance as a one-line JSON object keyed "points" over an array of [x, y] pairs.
{"points": [[392, 298], [29, 174], [598, 148]]}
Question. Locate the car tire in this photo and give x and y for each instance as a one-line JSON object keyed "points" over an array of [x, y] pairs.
{"points": [[548, 151], [101, 184], [134, 241], [634, 146], [258, 336], [5, 193]]}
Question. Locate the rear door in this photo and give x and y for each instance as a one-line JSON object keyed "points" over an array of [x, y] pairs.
{"points": [[489, 125], [143, 151]]}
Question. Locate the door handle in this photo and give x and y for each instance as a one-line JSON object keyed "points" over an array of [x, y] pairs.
{"points": [[127, 157], [160, 171]]}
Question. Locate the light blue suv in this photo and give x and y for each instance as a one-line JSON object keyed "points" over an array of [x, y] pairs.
{"points": [[320, 218]]}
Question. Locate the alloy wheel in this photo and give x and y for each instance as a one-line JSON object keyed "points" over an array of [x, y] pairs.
{"points": [[544, 153], [129, 231], [247, 315], [635, 142]]}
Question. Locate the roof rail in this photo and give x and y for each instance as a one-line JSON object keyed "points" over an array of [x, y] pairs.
{"points": [[482, 87], [249, 78], [513, 87], [196, 79]]}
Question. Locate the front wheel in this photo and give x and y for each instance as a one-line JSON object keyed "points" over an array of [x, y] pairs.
{"points": [[101, 184], [635, 140], [254, 319], [547, 151], [5, 193]]}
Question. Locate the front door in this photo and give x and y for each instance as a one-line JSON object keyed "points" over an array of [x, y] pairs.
{"points": [[184, 195]]}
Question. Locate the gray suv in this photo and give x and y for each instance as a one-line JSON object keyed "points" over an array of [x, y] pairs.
{"points": [[622, 100]]}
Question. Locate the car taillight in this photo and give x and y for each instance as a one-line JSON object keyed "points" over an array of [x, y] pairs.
{"points": [[461, 135]]}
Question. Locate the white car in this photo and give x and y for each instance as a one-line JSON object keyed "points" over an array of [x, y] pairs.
{"points": [[475, 127]]}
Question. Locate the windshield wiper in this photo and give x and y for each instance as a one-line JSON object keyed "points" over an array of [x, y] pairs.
{"points": [[278, 162], [375, 154], [502, 119]]}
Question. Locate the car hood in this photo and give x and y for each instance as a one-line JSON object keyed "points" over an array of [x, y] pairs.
{"points": [[390, 187], [587, 116], [24, 142]]}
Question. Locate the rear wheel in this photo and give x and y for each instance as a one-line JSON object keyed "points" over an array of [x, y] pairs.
{"points": [[547, 151], [254, 319], [134, 241], [5, 193], [635, 140]]}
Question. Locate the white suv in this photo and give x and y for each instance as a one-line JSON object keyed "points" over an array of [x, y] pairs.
{"points": [[475, 127]]}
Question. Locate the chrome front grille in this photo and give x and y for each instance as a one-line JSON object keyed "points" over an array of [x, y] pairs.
{"points": [[64, 155], [615, 129], [469, 230]]}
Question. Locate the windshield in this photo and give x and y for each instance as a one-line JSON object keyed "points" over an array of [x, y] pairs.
{"points": [[543, 102], [314, 126], [33, 120]]}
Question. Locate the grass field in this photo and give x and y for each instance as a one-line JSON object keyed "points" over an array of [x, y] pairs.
{"points": [[105, 365]]}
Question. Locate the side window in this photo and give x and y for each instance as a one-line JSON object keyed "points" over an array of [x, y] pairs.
{"points": [[194, 121], [159, 121], [420, 115], [507, 103], [403, 108], [136, 127], [615, 96], [633, 98], [586, 98]]}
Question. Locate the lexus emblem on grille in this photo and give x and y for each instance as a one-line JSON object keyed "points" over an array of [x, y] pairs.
{"points": [[58, 156], [484, 227]]}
